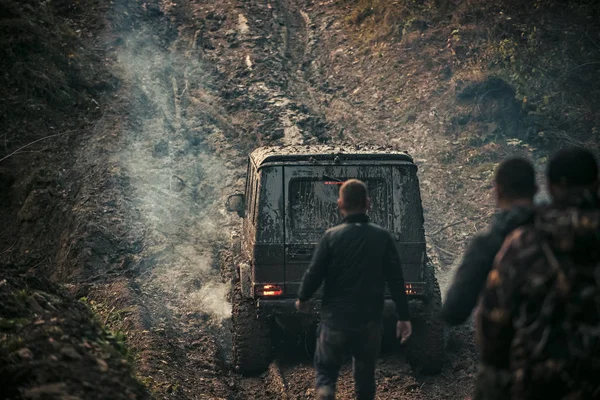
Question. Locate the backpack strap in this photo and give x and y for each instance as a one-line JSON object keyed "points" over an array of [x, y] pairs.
{"points": [[562, 283]]}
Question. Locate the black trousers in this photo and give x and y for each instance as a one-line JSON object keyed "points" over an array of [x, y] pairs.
{"points": [[333, 346]]}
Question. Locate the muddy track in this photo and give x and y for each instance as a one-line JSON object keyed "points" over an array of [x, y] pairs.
{"points": [[293, 376], [304, 64], [201, 85], [298, 39]]}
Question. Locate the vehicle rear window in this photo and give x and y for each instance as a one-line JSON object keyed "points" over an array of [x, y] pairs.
{"points": [[313, 203]]}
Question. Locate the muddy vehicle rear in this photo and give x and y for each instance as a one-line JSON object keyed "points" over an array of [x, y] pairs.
{"points": [[288, 203]]}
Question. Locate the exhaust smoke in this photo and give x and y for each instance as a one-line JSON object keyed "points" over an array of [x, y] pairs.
{"points": [[178, 179]]}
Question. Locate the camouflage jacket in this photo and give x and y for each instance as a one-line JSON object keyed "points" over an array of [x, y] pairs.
{"points": [[473, 270], [539, 314]]}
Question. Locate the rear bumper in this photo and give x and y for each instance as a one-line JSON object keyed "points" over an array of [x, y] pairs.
{"points": [[287, 307], [267, 307]]}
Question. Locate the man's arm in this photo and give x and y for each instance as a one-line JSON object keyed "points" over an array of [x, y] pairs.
{"points": [[314, 275], [395, 280], [469, 279]]}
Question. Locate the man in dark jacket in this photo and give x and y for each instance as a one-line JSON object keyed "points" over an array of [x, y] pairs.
{"points": [[354, 260], [538, 326], [515, 188]]}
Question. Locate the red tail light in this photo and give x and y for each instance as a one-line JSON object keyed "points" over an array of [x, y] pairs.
{"points": [[414, 288], [268, 290]]}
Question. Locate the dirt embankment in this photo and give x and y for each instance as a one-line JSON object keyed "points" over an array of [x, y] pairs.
{"points": [[51, 344], [124, 205]]}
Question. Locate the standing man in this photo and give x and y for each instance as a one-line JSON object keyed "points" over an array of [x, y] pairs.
{"points": [[515, 187], [540, 311], [355, 260]]}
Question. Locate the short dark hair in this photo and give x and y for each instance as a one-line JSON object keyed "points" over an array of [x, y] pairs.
{"points": [[354, 194], [573, 167], [516, 177]]}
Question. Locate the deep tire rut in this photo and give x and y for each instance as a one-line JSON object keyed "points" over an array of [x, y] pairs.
{"points": [[276, 382], [298, 39]]}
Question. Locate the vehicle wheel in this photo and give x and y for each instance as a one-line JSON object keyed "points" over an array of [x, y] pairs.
{"points": [[425, 348], [252, 349]]}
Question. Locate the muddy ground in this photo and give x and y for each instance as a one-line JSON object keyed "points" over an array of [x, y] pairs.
{"points": [[129, 216]]}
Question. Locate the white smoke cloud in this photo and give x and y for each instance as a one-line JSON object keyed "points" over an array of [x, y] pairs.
{"points": [[178, 181]]}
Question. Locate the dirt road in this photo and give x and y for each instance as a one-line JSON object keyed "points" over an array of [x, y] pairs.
{"points": [[202, 84]]}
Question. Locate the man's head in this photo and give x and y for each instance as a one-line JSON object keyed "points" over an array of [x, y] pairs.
{"points": [[572, 172], [515, 183], [354, 197]]}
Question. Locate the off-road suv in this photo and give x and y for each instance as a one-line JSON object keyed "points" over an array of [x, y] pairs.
{"points": [[288, 203]]}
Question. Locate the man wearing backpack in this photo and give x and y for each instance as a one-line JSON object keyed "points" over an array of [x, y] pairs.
{"points": [[538, 326]]}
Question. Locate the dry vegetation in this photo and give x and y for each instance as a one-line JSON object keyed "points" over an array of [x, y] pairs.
{"points": [[43, 60], [543, 55]]}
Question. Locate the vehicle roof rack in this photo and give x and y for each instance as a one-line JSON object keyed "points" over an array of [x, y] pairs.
{"points": [[271, 154]]}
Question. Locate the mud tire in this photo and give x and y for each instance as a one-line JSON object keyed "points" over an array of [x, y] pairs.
{"points": [[425, 349], [252, 348]]}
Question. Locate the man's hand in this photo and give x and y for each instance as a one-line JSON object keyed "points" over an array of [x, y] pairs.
{"points": [[302, 306], [403, 330]]}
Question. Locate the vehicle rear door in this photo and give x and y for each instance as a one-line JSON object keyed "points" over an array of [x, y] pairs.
{"points": [[311, 194]]}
